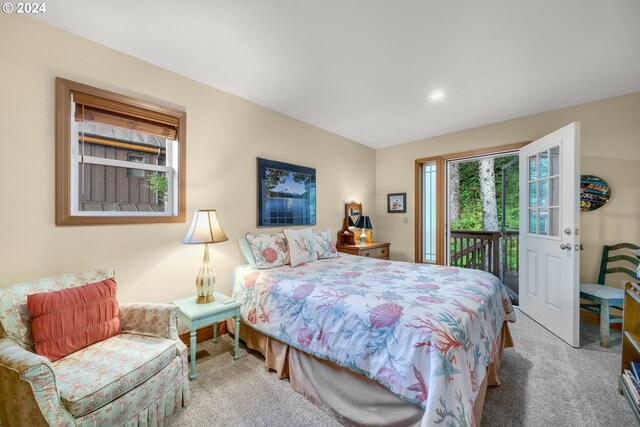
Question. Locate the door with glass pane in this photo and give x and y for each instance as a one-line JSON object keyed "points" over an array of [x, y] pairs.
{"points": [[549, 232]]}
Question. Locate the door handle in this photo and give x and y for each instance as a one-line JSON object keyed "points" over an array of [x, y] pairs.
{"points": [[565, 246]]}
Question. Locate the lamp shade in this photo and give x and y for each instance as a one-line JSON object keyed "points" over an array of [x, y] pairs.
{"points": [[205, 228], [364, 222], [351, 223]]}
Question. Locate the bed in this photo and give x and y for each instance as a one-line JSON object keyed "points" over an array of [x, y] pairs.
{"points": [[378, 342]]}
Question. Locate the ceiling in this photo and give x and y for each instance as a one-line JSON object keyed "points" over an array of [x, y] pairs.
{"points": [[364, 69]]}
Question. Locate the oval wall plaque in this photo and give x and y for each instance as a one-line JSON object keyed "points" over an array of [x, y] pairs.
{"points": [[594, 192]]}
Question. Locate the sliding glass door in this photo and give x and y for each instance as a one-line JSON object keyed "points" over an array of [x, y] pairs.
{"points": [[466, 211], [482, 214]]}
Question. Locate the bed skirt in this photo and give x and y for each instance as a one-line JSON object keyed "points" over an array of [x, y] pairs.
{"points": [[351, 398]]}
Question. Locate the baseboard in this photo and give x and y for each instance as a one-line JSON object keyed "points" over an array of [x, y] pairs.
{"points": [[205, 333]]}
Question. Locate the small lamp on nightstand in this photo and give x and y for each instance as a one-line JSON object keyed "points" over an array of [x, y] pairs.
{"points": [[365, 223], [205, 229]]}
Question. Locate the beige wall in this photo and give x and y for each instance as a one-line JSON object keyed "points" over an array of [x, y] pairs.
{"points": [[225, 134], [610, 148]]}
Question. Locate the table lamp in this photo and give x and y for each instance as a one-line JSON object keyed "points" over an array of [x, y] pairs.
{"points": [[205, 229], [365, 223]]}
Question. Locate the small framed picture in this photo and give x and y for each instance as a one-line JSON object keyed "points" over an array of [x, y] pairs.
{"points": [[397, 203]]}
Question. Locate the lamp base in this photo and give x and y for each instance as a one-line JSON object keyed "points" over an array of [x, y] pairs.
{"points": [[204, 299], [363, 237], [205, 281]]}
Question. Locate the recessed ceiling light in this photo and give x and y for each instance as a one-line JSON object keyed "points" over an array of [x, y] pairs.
{"points": [[436, 96]]}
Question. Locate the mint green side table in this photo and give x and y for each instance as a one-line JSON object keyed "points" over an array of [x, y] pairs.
{"points": [[197, 315]]}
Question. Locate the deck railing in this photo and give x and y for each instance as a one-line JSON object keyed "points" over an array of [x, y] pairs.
{"points": [[480, 250], [511, 252]]}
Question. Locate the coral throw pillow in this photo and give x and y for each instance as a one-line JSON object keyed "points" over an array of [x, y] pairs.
{"points": [[301, 247], [268, 250], [325, 247], [71, 319]]}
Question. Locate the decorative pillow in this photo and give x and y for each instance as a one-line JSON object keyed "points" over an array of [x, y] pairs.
{"points": [[246, 250], [14, 315], [71, 319], [323, 244], [268, 250], [301, 247]]}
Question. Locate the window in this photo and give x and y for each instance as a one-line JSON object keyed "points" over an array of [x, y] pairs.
{"points": [[138, 173], [430, 203], [429, 210], [544, 193], [118, 159]]}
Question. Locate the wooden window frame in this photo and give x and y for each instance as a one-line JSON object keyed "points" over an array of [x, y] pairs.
{"points": [[124, 105], [440, 162]]}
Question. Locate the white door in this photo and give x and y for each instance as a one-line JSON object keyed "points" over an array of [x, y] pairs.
{"points": [[549, 232]]}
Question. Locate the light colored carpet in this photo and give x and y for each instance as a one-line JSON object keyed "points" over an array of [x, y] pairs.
{"points": [[243, 393], [545, 383]]}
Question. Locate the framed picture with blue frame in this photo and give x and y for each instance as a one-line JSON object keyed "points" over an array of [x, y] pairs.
{"points": [[286, 194]]}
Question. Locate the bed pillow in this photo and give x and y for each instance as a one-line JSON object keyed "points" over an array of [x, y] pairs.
{"points": [[268, 250], [325, 247], [246, 250], [301, 247], [71, 319]]}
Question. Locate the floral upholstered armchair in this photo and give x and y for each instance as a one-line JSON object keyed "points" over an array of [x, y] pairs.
{"points": [[137, 377]]}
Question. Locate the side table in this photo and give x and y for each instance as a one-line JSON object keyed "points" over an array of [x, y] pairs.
{"points": [[196, 315]]}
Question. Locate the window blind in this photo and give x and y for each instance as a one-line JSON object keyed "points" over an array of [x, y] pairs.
{"points": [[113, 113]]}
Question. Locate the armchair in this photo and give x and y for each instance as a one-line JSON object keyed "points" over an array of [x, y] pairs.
{"points": [[138, 377]]}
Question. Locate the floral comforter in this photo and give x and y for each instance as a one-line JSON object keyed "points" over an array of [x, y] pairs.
{"points": [[425, 332]]}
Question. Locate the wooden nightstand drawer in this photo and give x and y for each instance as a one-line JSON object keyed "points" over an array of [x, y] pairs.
{"points": [[371, 250], [382, 253]]}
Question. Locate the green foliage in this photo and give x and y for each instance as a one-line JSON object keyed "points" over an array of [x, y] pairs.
{"points": [[471, 206], [470, 200], [277, 176], [470, 218], [159, 184]]}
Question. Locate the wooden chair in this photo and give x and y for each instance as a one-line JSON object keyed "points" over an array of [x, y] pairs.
{"points": [[607, 296]]}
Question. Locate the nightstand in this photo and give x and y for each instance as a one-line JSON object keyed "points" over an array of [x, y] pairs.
{"points": [[196, 315], [373, 250]]}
